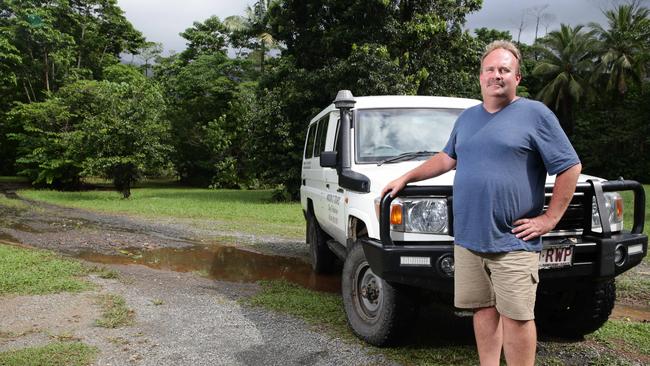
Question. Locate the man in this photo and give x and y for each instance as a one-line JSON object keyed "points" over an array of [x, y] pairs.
{"points": [[502, 150]]}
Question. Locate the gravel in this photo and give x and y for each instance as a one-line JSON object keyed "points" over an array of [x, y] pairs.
{"points": [[180, 318]]}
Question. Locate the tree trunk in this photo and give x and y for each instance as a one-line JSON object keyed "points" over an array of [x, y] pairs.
{"points": [[46, 71], [101, 58], [29, 98], [83, 33], [263, 51], [566, 117], [32, 89]]}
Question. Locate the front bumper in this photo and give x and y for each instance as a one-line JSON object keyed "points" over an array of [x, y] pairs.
{"points": [[423, 265]]}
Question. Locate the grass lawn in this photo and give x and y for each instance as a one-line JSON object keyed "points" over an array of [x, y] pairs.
{"points": [[238, 210], [54, 354], [37, 272], [628, 203]]}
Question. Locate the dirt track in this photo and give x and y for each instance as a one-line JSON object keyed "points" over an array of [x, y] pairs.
{"points": [[198, 319], [182, 318]]}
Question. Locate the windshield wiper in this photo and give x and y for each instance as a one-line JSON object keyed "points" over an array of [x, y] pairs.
{"points": [[406, 156]]}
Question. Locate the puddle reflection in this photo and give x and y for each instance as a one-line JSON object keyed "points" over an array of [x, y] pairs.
{"points": [[632, 312], [224, 263]]}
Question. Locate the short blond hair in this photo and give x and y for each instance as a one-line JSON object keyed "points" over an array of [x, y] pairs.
{"points": [[506, 45]]}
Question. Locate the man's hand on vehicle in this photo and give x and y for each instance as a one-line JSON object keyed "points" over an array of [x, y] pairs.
{"points": [[531, 228], [394, 187]]}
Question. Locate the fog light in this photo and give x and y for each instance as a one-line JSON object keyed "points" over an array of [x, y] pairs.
{"points": [[446, 265], [620, 255], [415, 261], [635, 249]]}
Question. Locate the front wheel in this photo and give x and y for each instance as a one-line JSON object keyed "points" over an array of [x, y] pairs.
{"points": [[578, 312], [376, 310]]}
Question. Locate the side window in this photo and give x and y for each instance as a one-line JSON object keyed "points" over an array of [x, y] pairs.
{"points": [[336, 135], [321, 136], [309, 145]]}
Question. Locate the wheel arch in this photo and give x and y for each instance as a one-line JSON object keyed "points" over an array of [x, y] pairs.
{"points": [[357, 228]]}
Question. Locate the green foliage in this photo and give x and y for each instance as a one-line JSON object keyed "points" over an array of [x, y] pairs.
{"points": [[46, 133], [253, 31], [566, 65], [121, 73], [208, 100], [486, 35], [36, 272], [114, 130], [624, 46], [53, 354], [613, 136], [56, 37], [125, 135], [45, 45], [207, 38], [415, 47]]}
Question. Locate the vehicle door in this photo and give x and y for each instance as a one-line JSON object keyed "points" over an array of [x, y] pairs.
{"points": [[334, 194], [311, 173]]}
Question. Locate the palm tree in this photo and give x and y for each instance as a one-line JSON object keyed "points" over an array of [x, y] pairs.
{"points": [[624, 45], [255, 24], [566, 60]]}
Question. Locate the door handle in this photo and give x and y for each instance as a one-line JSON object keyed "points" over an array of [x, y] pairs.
{"points": [[327, 185], [340, 190]]}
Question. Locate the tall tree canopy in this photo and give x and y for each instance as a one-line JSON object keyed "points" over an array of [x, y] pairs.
{"points": [[624, 46], [566, 64], [369, 47]]}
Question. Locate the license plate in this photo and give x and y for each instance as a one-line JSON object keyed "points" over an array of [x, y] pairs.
{"points": [[555, 257]]}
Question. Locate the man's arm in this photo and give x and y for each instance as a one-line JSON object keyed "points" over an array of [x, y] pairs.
{"points": [[565, 186], [436, 165]]}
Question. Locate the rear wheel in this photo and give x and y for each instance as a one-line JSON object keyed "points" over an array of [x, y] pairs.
{"points": [[576, 313], [376, 310], [322, 258]]}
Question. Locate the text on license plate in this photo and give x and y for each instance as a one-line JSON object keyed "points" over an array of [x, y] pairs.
{"points": [[555, 257]]}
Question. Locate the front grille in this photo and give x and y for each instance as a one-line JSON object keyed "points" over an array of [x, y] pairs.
{"points": [[574, 217]]}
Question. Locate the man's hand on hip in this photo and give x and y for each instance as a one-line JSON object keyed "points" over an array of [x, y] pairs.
{"points": [[531, 228]]}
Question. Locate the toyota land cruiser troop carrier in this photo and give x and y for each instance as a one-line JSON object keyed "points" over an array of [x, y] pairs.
{"points": [[390, 247]]}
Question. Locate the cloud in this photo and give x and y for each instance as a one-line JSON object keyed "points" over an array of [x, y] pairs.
{"points": [[507, 15], [162, 21]]}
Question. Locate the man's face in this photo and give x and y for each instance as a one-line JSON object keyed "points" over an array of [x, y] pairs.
{"points": [[499, 75]]}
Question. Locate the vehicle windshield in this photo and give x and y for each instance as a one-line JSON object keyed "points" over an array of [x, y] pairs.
{"points": [[385, 133]]}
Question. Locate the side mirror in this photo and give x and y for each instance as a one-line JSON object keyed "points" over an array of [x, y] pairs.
{"points": [[328, 159]]}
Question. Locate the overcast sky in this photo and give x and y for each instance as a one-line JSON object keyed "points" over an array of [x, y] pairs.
{"points": [[162, 20]]}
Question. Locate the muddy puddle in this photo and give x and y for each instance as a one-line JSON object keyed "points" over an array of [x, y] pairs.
{"points": [[631, 312], [223, 263]]}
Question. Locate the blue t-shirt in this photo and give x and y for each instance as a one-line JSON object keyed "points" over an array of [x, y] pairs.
{"points": [[501, 163]]}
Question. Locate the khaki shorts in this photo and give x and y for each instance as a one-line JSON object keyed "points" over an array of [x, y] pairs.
{"points": [[505, 280]]}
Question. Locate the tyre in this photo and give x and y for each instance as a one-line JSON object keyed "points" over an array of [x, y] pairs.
{"points": [[322, 258], [376, 310], [576, 313]]}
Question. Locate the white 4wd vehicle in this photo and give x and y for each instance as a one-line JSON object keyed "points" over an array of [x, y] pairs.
{"points": [[391, 247]]}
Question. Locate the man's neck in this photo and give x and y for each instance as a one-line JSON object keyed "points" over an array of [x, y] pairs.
{"points": [[493, 105]]}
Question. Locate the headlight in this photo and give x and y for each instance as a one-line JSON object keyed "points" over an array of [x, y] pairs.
{"points": [[420, 215], [613, 209]]}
